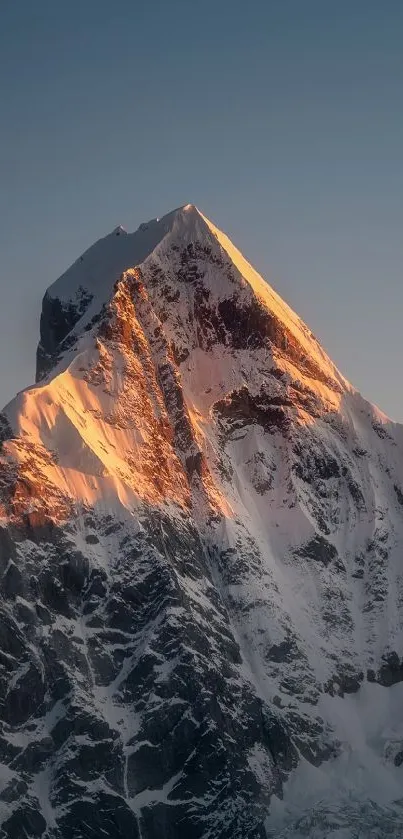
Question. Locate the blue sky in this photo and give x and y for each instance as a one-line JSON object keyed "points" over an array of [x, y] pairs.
{"points": [[282, 121]]}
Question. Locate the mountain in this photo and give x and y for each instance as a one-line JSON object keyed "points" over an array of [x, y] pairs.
{"points": [[201, 625]]}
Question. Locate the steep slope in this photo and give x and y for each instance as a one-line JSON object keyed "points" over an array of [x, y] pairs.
{"points": [[201, 574]]}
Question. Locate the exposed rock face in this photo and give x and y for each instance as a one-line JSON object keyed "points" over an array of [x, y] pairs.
{"points": [[57, 322], [200, 562]]}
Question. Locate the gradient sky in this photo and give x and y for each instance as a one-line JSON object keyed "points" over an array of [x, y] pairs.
{"points": [[282, 121]]}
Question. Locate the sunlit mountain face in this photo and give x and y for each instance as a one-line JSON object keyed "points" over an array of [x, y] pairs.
{"points": [[201, 542]]}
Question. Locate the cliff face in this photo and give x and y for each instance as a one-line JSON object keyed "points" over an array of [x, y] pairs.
{"points": [[200, 559]]}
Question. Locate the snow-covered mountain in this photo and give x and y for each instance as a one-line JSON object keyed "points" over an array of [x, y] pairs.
{"points": [[201, 617]]}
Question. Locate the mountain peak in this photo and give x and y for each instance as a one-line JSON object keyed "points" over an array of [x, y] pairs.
{"points": [[75, 300], [119, 230], [200, 561]]}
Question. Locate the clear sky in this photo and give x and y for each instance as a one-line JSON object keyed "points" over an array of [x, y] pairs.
{"points": [[281, 119]]}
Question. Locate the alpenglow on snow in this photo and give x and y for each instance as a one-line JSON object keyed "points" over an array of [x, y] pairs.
{"points": [[201, 542]]}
